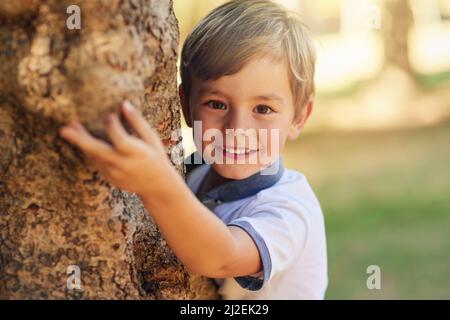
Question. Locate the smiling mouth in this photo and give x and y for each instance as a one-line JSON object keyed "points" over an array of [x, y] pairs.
{"points": [[236, 152]]}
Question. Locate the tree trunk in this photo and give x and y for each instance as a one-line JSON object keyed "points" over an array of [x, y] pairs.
{"points": [[55, 212], [396, 23]]}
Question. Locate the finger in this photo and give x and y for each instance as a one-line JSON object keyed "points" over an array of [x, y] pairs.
{"points": [[103, 167], [119, 137], [96, 163], [139, 124], [76, 134], [91, 163]]}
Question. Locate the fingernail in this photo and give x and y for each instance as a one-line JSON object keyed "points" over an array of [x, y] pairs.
{"points": [[127, 106], [63, 130]]}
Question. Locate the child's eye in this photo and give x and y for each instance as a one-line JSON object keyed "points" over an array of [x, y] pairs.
{"points": [[216, 105], [263, 109]]}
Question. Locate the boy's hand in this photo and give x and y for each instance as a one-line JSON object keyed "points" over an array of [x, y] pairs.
{"points": [[130, 163]]}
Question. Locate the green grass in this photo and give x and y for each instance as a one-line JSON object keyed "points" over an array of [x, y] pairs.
{"points": [[433, 80], [386, 200]]}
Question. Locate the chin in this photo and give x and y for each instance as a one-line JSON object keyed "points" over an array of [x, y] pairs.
{"points": [[236, 171]]}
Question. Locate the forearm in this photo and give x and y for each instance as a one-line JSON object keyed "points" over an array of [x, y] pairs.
{"points": [[202, 242]]}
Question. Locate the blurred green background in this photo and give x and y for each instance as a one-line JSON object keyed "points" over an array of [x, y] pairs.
{"points": [[377, 147]]}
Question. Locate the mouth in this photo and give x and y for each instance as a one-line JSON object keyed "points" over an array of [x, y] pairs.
{"points": [[236, 153]]}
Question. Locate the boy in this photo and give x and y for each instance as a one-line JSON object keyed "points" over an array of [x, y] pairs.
{"points": [[242, 218]]}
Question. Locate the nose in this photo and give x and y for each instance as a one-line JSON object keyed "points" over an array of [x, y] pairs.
{"points": [[236, 119], [240, 129]]}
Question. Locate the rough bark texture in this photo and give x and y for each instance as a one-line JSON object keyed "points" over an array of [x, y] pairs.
{"points": [[54, 211]]}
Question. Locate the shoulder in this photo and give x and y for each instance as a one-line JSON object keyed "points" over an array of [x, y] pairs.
{"points": [[289, 205], [292, 192]]}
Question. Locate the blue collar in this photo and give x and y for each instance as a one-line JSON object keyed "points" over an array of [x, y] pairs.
{"points": [[238, 189]]}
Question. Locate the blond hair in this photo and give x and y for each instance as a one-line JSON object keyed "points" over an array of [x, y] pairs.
{"points": [[233, 33]]}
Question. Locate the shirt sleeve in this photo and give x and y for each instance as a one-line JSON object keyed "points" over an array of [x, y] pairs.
{"points": [[279, 232]]}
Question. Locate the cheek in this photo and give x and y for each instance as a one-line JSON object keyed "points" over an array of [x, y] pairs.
{"points": [[206, 119], [274, 142], [275, 133], [205, 132]]}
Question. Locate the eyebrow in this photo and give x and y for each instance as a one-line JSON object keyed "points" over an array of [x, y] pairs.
{"points": [[269, 96], [208, 90]]}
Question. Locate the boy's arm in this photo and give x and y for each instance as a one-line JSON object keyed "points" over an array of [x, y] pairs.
{"points": [[198, 237], [203, 243]]}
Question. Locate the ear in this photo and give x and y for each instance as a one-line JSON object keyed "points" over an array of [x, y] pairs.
{"points": [[185, 106], [299, 121]]}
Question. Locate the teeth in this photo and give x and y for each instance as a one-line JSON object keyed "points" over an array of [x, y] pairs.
{"points": [[236, 151]]}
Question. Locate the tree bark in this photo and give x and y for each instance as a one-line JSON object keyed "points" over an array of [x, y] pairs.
{"points": [[54, 210]]}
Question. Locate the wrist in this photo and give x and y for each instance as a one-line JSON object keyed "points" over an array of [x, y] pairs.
{"points": [[161, 187]]}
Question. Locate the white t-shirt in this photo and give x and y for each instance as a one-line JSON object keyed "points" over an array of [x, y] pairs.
{"points": [[283, 216]]}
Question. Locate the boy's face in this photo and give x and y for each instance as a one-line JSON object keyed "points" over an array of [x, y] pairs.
{"points": [[257, 97]]}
